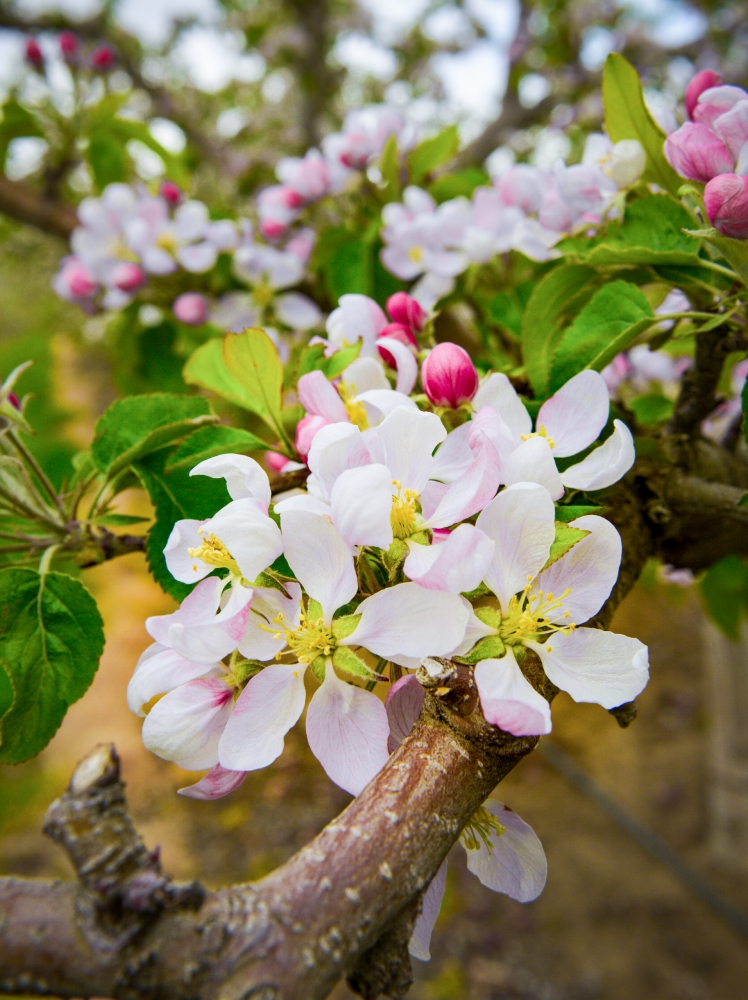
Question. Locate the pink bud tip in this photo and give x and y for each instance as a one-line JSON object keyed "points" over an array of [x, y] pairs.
{"points": [[704, 80], [404, 309], [103, 57], [68, 43], [398, 332], [191, 308], [271, 229], [14, 400], [171, 193], [696, 153], [726, 202], [448, 376], [275, 461], [34, 52], [306, 428], [80, 281], [127, 277]]}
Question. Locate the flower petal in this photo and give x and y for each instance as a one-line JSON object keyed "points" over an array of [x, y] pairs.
{"points": [[606, 464], [588, 570], [214, 785], [267, 708], [245, 478], [473, 490], [320, 397], [252, 538], [409, 438], [521, 522], [334, 449], [198, 607], [347, 730], [458, 564], [320, 559], [186, 724], [454, 456], [533, 462], [182, 566], [379, 403], [361, 506], [405, 360], [408, 620], [498, 391], [206, 642], [297, 311], [475, 630], [516, 864], [365, 374], [404, 704], [258, 642], [430, 906], [509, 700], [159, 670], [593, 665], [574, 416]]}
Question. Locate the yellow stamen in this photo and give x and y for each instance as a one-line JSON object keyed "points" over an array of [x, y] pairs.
{"points": [[415, 254], [262, 293], [214, 553], [308, 640], [482, 824], [534, 617], [356, 410], [405, 511], [166, 241], [540, 432]]}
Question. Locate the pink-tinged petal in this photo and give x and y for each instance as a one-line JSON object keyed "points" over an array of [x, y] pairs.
{"points": [[297, 311], [347, 730], [252, 538], [259, 642], [420, 942], [245, 478], [362, 504], [214, 785], [574, 416], [186, 724], [716, 101], [704, 80], [595, 666], [457, 564], [336, 448], [318, 396], [726, 202], [270, 704], [197, 258], [407, 620], [409, 438], [533, 462], [321, 560], [357, 318], [588, 570], [198, 607], [454, 455], [404, 361], [697, 153], [206, 642], [432, 495], [498, 391], [306, 431], [516, 863], [448, 376], [474, 488], [489, 422], [182, 566], [508, 699], [404, 704], [606, 464], [521, 522], [158, 671]]}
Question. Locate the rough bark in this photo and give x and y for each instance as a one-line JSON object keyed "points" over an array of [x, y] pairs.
{"points": [[25, 204]]}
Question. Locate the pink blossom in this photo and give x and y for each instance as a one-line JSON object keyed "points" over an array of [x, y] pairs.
{"points": [[171, 193], [75, 281], [398, 332], [69, 44], [127, 277], [448, 375], [308, 176], [33, 53], [704, 80], [191, 308], [696, 153], [523, 186], [404, 309], [301, 244], [716, 101], [103, 57], [306, 429], [726, 201]]}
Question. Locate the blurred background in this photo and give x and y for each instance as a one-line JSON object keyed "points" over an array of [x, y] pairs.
{"points": [[238, 85]]}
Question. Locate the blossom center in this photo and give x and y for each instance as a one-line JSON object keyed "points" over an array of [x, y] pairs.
{"points": [[415, 254], [354, 408], [166, 241], [540, 432], [405, 511], [529, 617], [481, 825], [308, 640], [262, 293], [214, 553]]}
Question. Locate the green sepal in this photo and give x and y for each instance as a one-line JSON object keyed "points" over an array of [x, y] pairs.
{"points": [[571, 512], [244, 669], [489, 616], [269, 579], [314, 610], [345, 625], [345, 659], [566, 538], [318, 667], [480, 591], [395, 554], [490, 647]]}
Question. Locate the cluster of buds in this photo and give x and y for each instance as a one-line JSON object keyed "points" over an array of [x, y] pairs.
{"points": [[101, 59]]}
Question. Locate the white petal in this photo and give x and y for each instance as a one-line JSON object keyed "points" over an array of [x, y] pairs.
{"points": [[498, 391], [186, 724], [206, 642], [516, 864], [407, 620], [267, 708], [245, 478], [190, 220], [318, 396], [488, 421], [336, 448], [364, 374], [357, 318], [198, 607], [197, 258], [303, 501], [509, 700], [404, 704], [158, 671], [606, 464], [405, 360], [361, 506], [454, 455], [409, 438], [521, 522], [252, 538], [458, 564], [589, 570], [179, 562], [472, 491], [575, 415], [533, 462], [379, 403], [432, 902], [593, 665], [475, 630], [347, 730], [320, 559], [297, 311], [258, 642], [214, 785]]}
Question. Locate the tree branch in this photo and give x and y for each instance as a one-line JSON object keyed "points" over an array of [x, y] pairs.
{"points": [[25, 204]]}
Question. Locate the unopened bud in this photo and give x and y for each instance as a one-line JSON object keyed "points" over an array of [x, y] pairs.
{"points": [[275, 461], [14, 401], [33, 53], [171, 193], [127, 277], [191, 309], [271, 229], [448, 376], [696, 153], [68, 44], [627, 163], [704, 80], [403, 308], [726, 203], [396, 331], [306, 429], [103, 58]]}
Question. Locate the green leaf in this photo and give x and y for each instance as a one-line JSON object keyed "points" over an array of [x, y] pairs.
{"points": [[431, 153], [389, 164], [337, 363], [651, 409], [735, 252], [210, 441], [460, 184], [566, 538], [206, 367], [608, 324], [175, 495], [550, 307], [17, 123], [627, 117], [51, 639], [137, 425], [571, 512], [252, 359], [7, 697], [345, 659], [119, 520], [345, 625], [107, 157], [724, 589], [490, 647], [349, 269]]}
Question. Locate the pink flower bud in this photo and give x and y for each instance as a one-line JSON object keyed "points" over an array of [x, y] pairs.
{"points": [[404, 309], [127, 277], [397, 331], [75, 281], [68, 44], [696, 153], [271, 229], [33, 53], [726, 201], [275, 461], [702, 81], [103, 58], [448, 376], [14, 400], [171, 193], [306, 429], [191, 308]]}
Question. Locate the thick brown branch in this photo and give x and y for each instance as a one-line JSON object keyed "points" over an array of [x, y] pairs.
{"points": [[25, 204], [697, 397]]}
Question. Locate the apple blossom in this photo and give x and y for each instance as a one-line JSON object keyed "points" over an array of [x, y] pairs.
{"points": [[448, 376], [726, 201], [406, 311], [704, 80], [188, 239], [697, 153]]}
